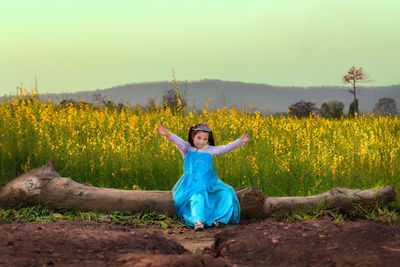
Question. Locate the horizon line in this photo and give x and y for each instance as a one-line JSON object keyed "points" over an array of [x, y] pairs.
{"points": [[219, 80]]}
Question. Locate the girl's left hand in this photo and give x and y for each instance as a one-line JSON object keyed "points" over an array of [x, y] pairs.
{"points": [[162, 130], [245, 138]]}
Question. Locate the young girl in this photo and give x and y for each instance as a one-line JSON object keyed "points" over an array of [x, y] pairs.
{"points": [[200, 198]]}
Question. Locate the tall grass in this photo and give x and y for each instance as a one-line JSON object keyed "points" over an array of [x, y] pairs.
{"points": [[121, 149]]}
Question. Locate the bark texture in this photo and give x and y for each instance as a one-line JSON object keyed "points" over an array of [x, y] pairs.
{"points": [[45, 186]]}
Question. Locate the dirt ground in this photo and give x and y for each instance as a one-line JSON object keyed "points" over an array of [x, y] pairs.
{"points": [[263, 243]]}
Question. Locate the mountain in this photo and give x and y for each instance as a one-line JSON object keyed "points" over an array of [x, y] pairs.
{"points": [[266, 98]]}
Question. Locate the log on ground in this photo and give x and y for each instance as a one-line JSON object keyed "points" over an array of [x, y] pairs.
{"points": [[46, 187]]}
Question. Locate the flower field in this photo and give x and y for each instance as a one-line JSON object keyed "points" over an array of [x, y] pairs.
{"points": [[121, 149]]}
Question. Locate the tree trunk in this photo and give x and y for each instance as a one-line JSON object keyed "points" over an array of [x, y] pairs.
{"points": [[355, 91], [45, 186]]}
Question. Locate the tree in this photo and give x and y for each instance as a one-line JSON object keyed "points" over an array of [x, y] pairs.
{"points": [[302, 109], [385, 106], [332, 110], [173, 98], [353, 107], [99, 99], [353, 77]]}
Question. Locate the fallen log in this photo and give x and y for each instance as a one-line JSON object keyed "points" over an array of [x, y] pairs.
{"points": [[46, 187]]}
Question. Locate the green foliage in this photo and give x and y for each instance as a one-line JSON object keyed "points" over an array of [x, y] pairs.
{"points": [[353, 108], [26, 215], [379, 212], [332, 110], [39, 213], [386, 106], [302, 109]]}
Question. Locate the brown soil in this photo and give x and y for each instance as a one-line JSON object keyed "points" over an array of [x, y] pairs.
{"points": [[267, 243]]}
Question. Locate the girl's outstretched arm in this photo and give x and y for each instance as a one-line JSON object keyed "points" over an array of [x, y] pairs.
{"points": [[163, 131], [220, 150], [177, 141]]}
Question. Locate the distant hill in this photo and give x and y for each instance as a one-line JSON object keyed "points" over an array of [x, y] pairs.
{"points": [[264, 97]]}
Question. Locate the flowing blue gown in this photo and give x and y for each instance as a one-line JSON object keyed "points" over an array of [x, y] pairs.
{"points": [[200, 195]]}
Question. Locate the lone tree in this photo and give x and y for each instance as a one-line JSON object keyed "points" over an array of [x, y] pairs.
{"points": [[353, 77], [332, 110], [386, 106], [302, 109]]}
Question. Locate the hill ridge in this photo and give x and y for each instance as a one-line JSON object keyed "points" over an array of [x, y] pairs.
{"points": [[264, 97]]}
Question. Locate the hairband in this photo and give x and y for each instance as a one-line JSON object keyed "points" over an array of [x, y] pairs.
{"points": [[202, 127]]}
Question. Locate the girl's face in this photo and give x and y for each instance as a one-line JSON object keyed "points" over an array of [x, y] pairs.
{"points": [[200, 139]]}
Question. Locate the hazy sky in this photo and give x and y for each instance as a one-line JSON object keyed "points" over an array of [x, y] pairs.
{"points": [[93, 44]]}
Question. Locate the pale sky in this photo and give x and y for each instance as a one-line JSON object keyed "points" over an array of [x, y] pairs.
{"points": [[95, 44]]}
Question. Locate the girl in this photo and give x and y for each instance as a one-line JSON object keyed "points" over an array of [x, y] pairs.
{"points": [[200, 198]]}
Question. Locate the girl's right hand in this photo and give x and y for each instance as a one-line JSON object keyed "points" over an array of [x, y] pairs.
{"points": [[162, 130]]}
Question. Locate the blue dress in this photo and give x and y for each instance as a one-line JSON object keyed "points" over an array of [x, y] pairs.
{"points": [[200, 195]]}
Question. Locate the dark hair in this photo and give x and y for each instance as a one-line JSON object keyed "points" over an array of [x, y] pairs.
{"points": [[192, 134]]}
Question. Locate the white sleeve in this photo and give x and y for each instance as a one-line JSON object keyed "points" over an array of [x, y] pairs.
{"points": [[220, 150], [179, 143]]}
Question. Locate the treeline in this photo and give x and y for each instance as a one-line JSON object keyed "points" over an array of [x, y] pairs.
{"points": [[176, 102], [335, 109], [331, 110]]}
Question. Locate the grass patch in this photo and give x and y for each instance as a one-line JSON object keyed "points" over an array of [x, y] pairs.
{"points": [[35, 214], [380, 212]]}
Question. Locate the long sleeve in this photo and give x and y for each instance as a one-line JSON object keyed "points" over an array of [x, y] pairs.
{"points": [[179, 143], [220, 150]]}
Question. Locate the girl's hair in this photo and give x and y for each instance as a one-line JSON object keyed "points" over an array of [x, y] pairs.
{"points": [[200, 127]]}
